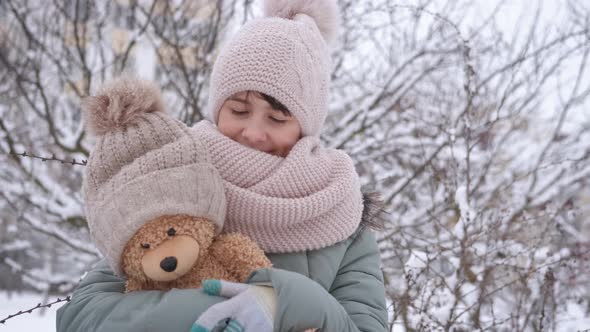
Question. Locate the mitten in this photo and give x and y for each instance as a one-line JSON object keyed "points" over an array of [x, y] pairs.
{"points": [[249, 308]]}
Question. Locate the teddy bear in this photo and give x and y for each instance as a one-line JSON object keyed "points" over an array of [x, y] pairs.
{"points": [[154, 203], [179, 251]]}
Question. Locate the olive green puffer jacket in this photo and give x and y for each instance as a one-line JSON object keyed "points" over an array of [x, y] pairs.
{"points": [[337, 288]]}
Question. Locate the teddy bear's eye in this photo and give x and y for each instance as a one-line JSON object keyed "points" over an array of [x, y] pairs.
{"points": [[171, 232], [145, 245]]}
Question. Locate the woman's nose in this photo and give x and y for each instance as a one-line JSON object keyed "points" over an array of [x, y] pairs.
{"points": [[254, 134]]}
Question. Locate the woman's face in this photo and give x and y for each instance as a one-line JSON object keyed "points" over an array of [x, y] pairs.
{"points": [[247, 118]]}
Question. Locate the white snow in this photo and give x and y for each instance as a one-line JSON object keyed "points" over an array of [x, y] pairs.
{"points": [[42, 319]]}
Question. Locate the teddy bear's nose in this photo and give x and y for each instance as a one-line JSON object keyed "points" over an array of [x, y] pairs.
{"points": [[168, 264]]}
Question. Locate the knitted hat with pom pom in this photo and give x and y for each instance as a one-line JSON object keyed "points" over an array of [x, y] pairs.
{"points": [[144, 165], [284, 55]]}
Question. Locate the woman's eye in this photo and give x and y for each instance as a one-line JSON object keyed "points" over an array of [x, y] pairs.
{"points": [[277, 120], [237, 112]]}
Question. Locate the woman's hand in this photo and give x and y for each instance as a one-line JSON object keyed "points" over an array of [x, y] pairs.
{"points": [[249, 308]]}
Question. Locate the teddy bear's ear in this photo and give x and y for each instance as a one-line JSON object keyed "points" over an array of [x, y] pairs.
{"points": [[120, 103]]}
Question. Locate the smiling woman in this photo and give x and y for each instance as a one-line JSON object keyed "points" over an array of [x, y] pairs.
{"points": [[299, 201], [260, 122]]}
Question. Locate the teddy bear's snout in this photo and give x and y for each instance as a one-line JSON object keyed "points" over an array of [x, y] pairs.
{"points": [[171, 259], [169, 264]]}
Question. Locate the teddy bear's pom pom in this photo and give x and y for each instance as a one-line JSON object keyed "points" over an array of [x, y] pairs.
{"points": [[120, 103], [323, 12]]}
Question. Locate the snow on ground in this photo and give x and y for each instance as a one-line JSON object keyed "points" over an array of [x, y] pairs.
{"points": [[40, 320]]}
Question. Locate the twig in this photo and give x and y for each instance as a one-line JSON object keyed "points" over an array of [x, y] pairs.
{"points": [[52, 158], [48, 305]]}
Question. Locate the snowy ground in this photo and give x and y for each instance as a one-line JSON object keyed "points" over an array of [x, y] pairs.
{"points": [[40, 320]]}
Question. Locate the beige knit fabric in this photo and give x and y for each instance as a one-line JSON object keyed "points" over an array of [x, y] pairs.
{"points": [[286, 59], [145, 167], [308, 200]]}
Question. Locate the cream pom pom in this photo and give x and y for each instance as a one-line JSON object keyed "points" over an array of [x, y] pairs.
{"points": [[323, 12]]}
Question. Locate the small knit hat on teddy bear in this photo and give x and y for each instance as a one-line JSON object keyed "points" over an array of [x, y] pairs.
{"points": [[144, 165], [284, 55]]}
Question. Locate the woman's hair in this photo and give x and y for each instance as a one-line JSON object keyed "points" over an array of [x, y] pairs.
{"points": [[275, 104]]}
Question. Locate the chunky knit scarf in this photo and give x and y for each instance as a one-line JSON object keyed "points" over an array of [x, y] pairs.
{"points": [[308, 200]]}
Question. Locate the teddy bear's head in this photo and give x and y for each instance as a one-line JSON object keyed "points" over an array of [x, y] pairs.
{"points": [[166, 248]]}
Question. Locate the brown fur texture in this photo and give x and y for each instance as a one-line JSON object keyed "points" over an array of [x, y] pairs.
{"points": [[120, 103], [230, 257]]}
